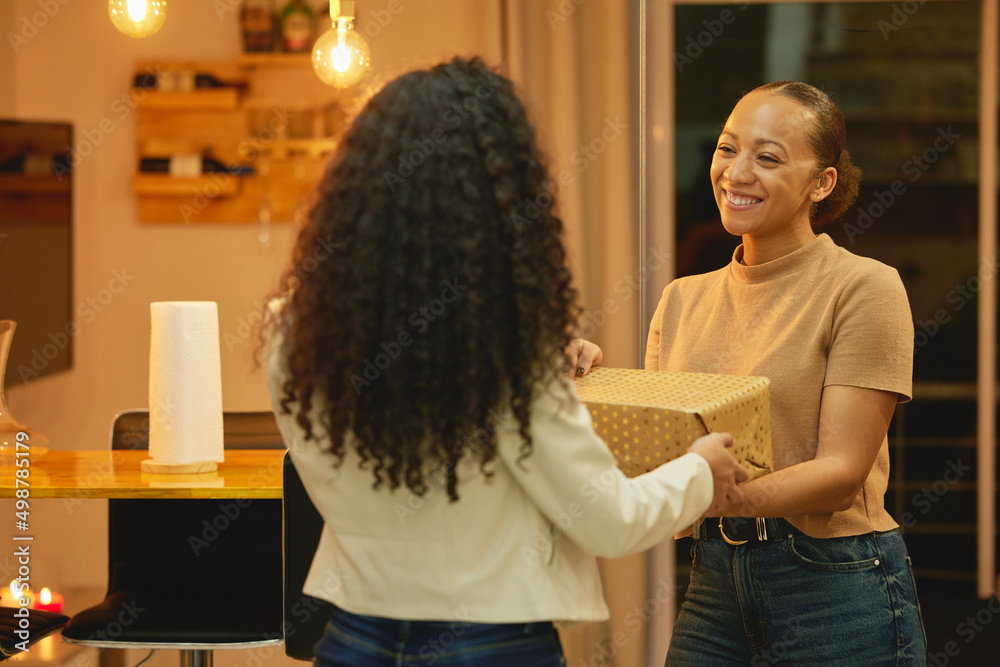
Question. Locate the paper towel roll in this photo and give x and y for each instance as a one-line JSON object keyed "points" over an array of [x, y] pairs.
{"points": [[185, 383]]}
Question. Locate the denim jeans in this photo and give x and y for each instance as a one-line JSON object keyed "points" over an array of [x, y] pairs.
{"points": [[801, 601], [369, 641]]}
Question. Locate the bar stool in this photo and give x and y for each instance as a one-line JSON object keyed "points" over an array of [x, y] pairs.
{"points": [[41, 624], [191, 575], [305, 616]]}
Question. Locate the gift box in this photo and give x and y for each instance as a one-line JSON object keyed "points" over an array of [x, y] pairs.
{"points": [[650, 417]]}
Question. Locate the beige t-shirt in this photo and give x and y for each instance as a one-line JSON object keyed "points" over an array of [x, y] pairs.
{"points": [[815, 317]]}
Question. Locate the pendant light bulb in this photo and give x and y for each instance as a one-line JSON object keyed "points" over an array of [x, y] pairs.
{"points": [[137, 18], [341, 56]]}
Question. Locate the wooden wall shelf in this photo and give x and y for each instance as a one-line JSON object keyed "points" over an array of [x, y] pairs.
{"points": [[315, 148], [300, 60], [221, 99], [281, 120], [16, 184], [162, 185]]}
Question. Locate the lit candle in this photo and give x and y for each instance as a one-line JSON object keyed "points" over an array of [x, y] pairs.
{"points": [[48, 601], [13, 593]]}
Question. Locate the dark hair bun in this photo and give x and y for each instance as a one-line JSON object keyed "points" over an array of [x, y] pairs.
{"points": [[845, 192]]}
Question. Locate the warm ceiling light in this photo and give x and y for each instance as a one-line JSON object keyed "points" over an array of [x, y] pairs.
{"points": [[137, 18], [341, 56]]}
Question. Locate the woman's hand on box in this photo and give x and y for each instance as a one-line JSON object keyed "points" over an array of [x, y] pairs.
{"points": [[583, 355], [727, 474]]}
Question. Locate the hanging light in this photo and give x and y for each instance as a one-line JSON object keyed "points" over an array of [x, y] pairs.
{"points": [[137, 18], [341, 56]]}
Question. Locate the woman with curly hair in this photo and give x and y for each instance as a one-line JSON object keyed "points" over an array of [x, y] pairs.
{"points": [[417, 375], [809, 569]]}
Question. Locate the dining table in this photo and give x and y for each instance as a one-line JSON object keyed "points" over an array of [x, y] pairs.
{"points": [[81, 474]]}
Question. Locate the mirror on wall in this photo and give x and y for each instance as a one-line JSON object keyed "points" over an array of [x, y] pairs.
{"points": [[36, 234], [910, 102], [907, 79]]}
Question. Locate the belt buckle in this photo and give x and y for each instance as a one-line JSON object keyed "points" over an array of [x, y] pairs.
{"points": [[722, 532]]}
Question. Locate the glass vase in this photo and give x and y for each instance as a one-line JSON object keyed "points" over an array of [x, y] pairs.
{"points": [[9, 425]]}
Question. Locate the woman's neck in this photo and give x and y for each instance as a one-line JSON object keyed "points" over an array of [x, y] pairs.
{"points": [[758, 249]]}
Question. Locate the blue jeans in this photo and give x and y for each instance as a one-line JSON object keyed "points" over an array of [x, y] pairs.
{"points": [[369, 641], [801, 601]]}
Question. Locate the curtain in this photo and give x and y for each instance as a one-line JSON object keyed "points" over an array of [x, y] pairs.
{"points": [[574, 65]]}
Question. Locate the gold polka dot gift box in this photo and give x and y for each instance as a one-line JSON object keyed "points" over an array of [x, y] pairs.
{"points": [[650, 417]]}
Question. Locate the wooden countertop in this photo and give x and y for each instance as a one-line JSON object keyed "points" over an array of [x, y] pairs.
{"points": [[246, 473]]}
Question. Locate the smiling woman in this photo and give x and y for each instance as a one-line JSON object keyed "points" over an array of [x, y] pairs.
{"points": [[781, 167], [829, 581], [825, 578]]}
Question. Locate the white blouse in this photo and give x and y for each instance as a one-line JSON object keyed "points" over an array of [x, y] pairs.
{"points": [[519, 547]]}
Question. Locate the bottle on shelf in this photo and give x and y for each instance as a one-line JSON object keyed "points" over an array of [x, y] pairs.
{"points": [[198, 81], [145, 80], [203, 81], [184, 80], [190, 165], [13, 164], [259, 26], [32, 163], [298, 26]]}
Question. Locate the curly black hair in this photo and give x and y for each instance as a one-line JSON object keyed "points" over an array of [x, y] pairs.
{"points": [[429, 290]]}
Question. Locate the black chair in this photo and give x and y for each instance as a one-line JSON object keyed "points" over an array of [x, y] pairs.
{"points": [[41, 624], [192, 575], [305, 616]]}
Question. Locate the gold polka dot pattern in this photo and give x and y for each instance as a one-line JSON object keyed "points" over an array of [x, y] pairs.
{"points": [[650, 417]]}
